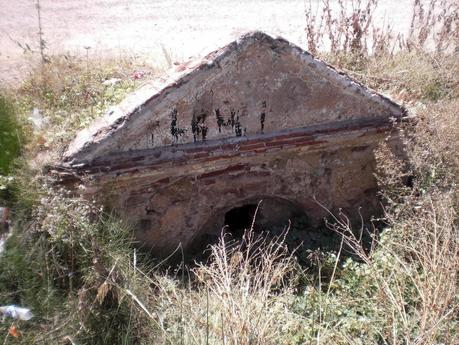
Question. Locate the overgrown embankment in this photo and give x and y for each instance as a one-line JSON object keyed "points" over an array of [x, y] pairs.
{"points": [[76, 265]]}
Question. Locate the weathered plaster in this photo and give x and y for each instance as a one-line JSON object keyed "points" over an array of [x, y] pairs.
{"points": [[259, 118]]}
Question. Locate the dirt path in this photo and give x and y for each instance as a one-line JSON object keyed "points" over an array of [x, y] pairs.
{"points": [[182, 28]]}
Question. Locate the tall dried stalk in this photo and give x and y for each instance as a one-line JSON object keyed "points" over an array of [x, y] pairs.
{"points": [[242, 277], [436, 24], [417, 283], [351, 28], [346, 30]]}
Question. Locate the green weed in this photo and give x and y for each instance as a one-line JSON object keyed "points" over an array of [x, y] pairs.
{"points": [[11, 137]]}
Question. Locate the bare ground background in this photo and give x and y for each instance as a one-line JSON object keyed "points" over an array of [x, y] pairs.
{"points": [[149, 28]]}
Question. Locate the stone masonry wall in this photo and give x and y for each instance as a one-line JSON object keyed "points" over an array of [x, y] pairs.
{"points": [[176, 202], [259, 118]]}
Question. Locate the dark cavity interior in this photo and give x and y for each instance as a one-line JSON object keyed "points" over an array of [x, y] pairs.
{"points": [[274, 216], [238, 219]]}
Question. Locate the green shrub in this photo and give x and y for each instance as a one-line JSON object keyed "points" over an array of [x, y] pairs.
{"points": [[71, 263], [10, 135]]}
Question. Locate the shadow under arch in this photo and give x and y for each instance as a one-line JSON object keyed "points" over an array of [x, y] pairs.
{"points": [[274, 214]]}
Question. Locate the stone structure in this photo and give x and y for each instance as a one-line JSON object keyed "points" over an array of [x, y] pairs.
{"points": [[257, 119]]}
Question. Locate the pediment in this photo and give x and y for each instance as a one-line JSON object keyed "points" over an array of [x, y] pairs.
{"points": [[254, 85]]}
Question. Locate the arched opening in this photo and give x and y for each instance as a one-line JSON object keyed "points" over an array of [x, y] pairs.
{"points": [[238, 219], [272, 215]]}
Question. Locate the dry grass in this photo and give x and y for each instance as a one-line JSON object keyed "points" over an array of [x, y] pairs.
{"points": [[93, 287], [66, 93], [413, 271], [435, 23], [247, 282], [240, 296], [350, 28]]}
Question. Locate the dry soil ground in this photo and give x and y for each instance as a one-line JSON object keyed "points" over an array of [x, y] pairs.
{"points": [[182, 28]]}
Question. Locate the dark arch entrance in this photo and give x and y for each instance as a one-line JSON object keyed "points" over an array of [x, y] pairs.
{"points": [[269, 214], [272, 215], [238, 219]]}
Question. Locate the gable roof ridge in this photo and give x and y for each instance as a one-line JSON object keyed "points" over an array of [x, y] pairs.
{"points": [[118, 116]]}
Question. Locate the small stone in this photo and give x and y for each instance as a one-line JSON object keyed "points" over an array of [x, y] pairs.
{"points": [[111, 82]]}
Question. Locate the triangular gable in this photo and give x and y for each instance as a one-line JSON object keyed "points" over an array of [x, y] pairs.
{"points": [[254, 85]]}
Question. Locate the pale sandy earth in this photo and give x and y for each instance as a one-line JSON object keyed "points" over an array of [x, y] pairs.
{"points": [[182, 28]]}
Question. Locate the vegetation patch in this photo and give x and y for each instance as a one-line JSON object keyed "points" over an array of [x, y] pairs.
{"points": [[76, 265], [10, 139]]}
